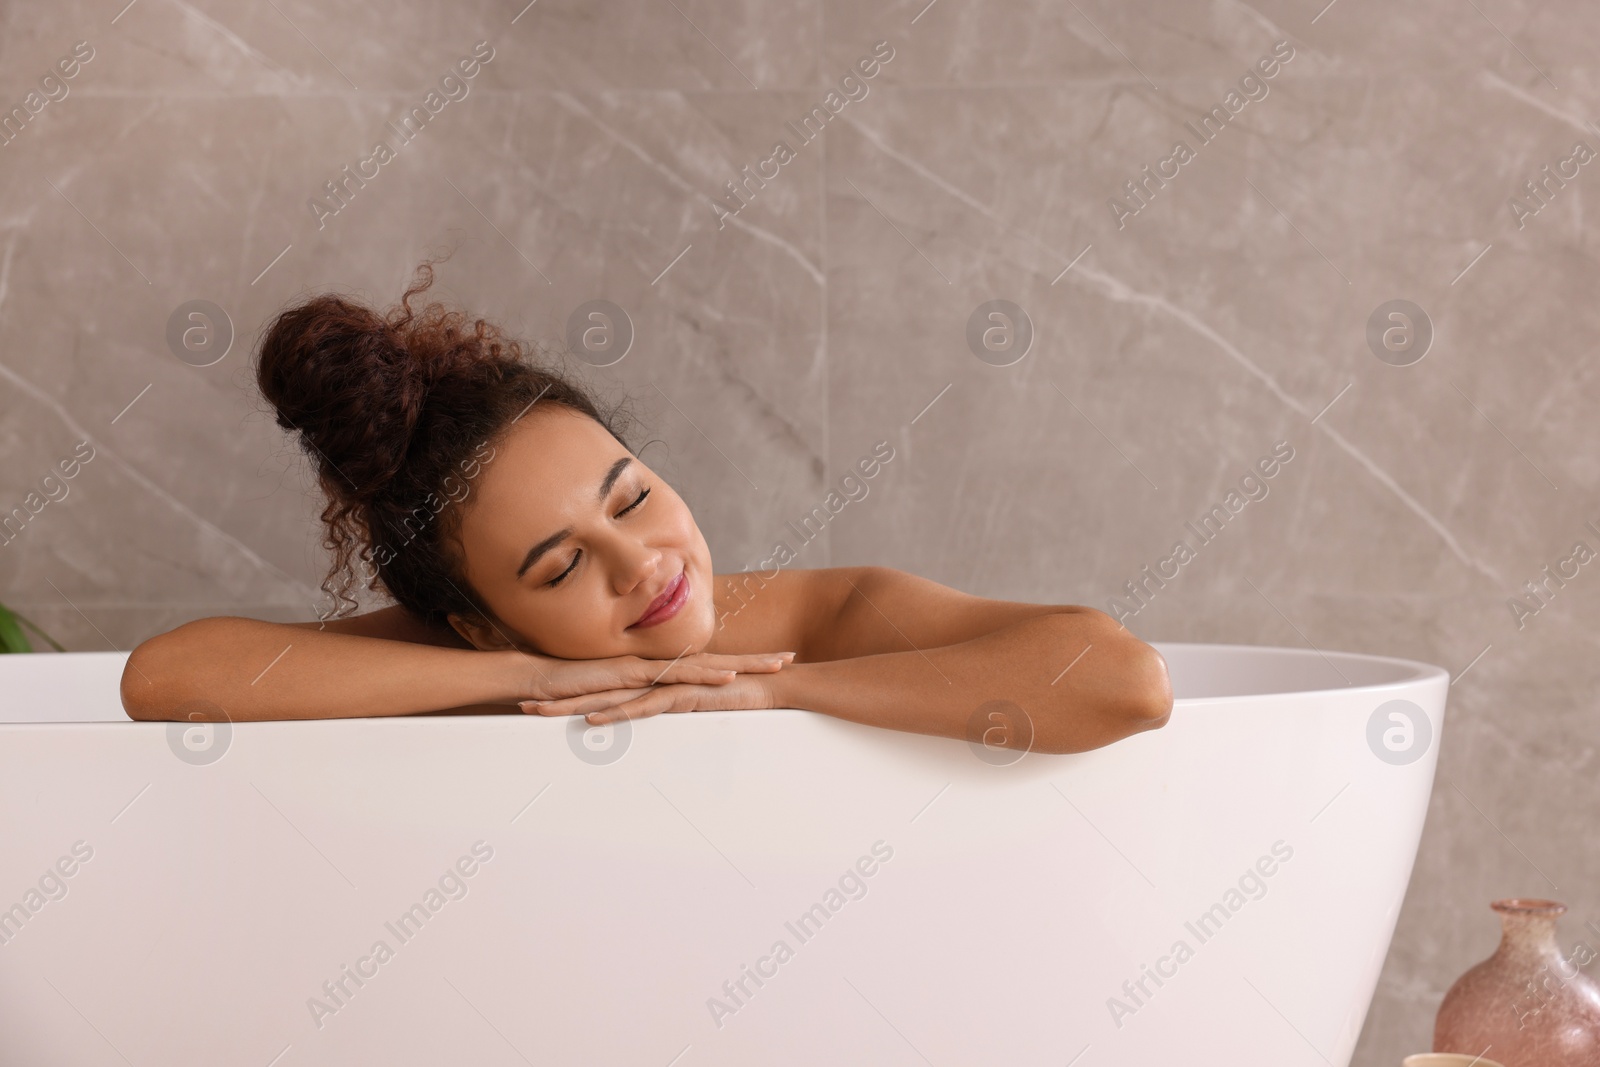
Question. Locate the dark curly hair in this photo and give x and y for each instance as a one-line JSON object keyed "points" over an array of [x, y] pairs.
{"points": [[396, 412]]}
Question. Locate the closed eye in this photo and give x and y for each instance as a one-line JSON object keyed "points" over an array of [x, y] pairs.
{"points": [[562, 576], [633, 505]]}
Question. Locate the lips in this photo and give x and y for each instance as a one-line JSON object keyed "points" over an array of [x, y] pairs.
{"points": [[666, 604]]}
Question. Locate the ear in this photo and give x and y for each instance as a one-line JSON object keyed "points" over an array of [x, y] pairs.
{"points": [[481, 634]]}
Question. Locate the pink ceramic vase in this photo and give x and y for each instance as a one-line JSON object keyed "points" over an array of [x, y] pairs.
{"points": [[1528, 1005]]}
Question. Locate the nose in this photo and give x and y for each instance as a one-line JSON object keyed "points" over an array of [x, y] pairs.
{"points": [[637, 565]]}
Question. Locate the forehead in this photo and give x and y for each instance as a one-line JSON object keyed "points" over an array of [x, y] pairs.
{"points": [[546, 469]]}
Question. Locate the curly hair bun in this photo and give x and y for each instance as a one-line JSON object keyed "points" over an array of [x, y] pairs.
{"points": [[354, 384], [390, 407]]}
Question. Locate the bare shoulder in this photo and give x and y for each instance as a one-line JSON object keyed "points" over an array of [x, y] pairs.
{"points": [[842, 612], [393, 623], [783, 610]]}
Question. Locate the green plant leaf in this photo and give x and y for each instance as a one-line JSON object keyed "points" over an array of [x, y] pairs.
{"points": [[30, 624], [12, 639]]}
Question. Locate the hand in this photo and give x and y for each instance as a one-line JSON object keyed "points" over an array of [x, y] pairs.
{"points": [[558, 679], [745, 692]]}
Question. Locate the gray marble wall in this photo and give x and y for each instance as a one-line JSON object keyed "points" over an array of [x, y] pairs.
{"points": [[1174, 341]]}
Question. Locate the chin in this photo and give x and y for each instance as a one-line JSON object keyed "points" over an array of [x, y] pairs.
{"points": [[702, 632], [698, 618], [697, 621], [685, 633]]}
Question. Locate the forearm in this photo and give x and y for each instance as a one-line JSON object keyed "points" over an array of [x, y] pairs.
{"points": [[252, 670], [1116, 686]]}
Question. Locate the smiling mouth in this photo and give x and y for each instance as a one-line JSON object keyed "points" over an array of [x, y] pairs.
{"points": [[668, 604]]}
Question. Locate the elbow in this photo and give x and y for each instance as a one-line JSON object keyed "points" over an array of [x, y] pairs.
{"points": [[159, 678], [1132, 677], [142, 697], [1126, 688], [187, 674], [1147, 697]]}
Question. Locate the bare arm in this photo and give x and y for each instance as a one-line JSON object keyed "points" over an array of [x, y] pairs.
{"points": [[916, 655], [382, 663], [886, 648], [1058, 682], [386, 662]]}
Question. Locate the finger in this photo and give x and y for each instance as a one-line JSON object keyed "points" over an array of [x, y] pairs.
{"points": [[652, 703], [582, 703], [588, 677], [664, 672], [746, 664], [706, 669]]}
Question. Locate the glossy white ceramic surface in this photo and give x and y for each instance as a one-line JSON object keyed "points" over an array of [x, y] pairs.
{"points": [[622, 881]]}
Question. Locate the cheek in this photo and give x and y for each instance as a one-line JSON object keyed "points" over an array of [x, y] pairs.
{"points": [[570, 638], [679, 521]]}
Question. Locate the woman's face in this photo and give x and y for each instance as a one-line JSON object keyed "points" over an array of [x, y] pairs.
{"points": [[568, 539]]}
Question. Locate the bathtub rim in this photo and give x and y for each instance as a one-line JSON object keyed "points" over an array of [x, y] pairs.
{"points": [[1420, 672], [1414, 673]]}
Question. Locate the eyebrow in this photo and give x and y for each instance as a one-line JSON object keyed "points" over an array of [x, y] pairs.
{"points": [[537, 551]]}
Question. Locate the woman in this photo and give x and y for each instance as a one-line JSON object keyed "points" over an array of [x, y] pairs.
{"points": [[538, 564]]}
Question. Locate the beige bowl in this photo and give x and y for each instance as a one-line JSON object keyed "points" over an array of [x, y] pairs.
{"points": [[1447, 1059]]}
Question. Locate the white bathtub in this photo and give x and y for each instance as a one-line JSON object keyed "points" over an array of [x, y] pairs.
{"points": [[212, 894]]}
